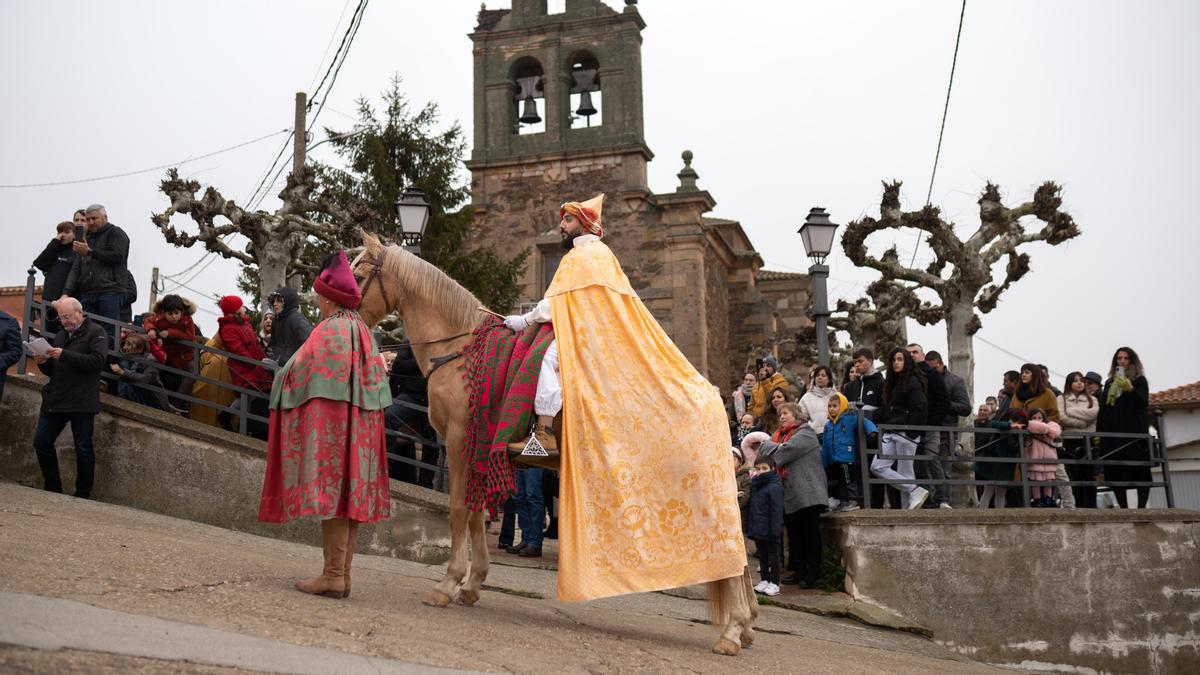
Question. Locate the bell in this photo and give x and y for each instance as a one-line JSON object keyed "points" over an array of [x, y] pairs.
{"points": [[586, 109], [529, 113]]}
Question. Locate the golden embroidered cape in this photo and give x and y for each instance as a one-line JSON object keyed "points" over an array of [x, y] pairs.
{"points": [[648, 495]]}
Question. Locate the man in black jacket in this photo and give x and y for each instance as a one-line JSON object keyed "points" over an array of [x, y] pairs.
{"points": [[960, 406], [290, 328], [98, 277], [55, 262], [866, 394], [10, 345], [938, 398], [409, 387], [71, 396]]}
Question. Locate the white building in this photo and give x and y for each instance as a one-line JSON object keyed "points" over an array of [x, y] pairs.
{"points": [[1181, 426]]}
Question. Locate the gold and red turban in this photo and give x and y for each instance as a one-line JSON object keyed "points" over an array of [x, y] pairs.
{"points": [[587, 212]]}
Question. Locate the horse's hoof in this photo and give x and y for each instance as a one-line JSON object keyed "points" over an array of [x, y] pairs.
{"points": [[468, 598], [436, 598], [726, 647], [747, 637]]}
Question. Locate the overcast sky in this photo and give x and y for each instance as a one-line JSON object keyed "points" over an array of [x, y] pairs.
{"points": [[786, 106]]}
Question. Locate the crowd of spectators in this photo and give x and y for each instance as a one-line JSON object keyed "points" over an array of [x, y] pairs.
{"points": [[809, 439], [161, 359]]}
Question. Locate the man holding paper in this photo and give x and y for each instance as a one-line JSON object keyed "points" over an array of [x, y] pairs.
{"points": [[72, 396]]}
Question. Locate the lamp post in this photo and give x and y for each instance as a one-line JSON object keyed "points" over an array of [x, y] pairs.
{"points": [[412, 211], [817, 234]]}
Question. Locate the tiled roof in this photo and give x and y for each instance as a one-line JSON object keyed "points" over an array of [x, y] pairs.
{"points": [[1187, 396], [771, 275]]}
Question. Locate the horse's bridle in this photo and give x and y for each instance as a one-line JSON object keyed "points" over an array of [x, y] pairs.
{"points": [[376, 268], [365, 285]]}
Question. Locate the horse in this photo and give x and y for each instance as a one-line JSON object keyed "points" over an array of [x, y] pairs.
{"points": [[439, 317]]}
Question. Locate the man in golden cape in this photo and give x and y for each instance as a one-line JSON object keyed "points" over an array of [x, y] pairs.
{"points": [[649, 499]]}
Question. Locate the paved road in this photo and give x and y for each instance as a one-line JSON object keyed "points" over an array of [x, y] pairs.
{"points": [[204, 599]]}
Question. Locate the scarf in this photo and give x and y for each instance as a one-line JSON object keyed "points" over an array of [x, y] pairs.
{"points": [[823, 392], [747, 390], [782, 434], [1024, 393]]}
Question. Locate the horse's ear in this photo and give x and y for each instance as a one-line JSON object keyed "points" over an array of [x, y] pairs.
{"points": [[369, 240]]}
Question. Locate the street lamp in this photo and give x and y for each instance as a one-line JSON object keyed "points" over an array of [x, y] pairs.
{"points": [[412, 210], [817, 234]]}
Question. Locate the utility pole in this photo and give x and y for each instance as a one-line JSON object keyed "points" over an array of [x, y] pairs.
{"points": [[299, 138], [153, 289]]}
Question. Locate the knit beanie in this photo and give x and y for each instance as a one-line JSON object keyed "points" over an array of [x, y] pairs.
{"points": [[230, 304]]}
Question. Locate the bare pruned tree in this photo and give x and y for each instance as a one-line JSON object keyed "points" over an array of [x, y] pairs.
{"points": [[962, 272], [276, 240]]}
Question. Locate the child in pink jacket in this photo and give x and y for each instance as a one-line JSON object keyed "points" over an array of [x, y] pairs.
{"points": [[1039, 444]]}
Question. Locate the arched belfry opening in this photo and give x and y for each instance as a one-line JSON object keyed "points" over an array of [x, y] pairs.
{"points": [[529, 96], [586, 98]]}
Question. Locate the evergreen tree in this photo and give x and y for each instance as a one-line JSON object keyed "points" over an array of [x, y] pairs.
{"points": [[387, 151]]}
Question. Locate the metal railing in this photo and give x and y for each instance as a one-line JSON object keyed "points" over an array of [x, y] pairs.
{"points": [[33, 321], [1155, 445]]}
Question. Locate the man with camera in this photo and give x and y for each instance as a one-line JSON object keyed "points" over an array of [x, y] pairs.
{"points": [[98, 276]]}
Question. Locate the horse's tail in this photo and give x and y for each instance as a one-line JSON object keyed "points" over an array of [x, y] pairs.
{"points": [[720, 601]]}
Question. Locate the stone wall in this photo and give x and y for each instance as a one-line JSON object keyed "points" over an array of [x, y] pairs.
{"points": [[157, 462], [1082, 591]]}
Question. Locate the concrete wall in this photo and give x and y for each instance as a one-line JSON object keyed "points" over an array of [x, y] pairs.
{"points": [[1083, 591], [158, 462]]}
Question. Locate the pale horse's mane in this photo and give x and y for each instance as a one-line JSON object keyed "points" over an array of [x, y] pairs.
{"points": [[418, 279]]}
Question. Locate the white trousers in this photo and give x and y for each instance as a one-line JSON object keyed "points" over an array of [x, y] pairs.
{"points": [[548, 399], [896, 444]]}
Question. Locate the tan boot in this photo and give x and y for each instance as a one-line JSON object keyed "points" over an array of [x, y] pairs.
{"points": [[332, 582], [351, 544]]}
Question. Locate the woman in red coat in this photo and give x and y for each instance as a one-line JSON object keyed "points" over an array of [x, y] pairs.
{"points": [[239, 337], [327, 456]]}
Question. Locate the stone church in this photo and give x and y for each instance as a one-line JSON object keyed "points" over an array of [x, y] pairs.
{"points": [[558, 116]]}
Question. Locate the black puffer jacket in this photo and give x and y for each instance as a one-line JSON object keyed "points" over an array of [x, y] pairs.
{"points": [[104, 269], [74, 385], [55, 262], [904, 403], [937, 396], [290, 329]]}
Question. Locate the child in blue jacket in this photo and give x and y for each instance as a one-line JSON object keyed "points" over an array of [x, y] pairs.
{"points": [[839, 453]]}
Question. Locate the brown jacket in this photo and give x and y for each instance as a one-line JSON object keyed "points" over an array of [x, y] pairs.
{"points": [[1046, 400]]}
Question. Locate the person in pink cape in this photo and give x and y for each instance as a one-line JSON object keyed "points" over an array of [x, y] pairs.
{"points": [[326, 452]]}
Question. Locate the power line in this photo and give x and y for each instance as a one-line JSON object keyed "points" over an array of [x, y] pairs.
{"points": [[945, 111], [351, 32], [329, 44], [335, 66], [139, 171]]}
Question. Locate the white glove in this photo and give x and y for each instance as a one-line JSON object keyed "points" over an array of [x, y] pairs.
{"points": [[516, 323]]}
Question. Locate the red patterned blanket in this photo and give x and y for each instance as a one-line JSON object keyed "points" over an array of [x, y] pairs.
{"points": [[502, 370]]}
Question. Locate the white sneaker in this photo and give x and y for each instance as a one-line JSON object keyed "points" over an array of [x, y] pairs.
{"points": [[761, 586], [850, 505], [834, 503], [917, 497], [944, 505], [771, 590]]}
